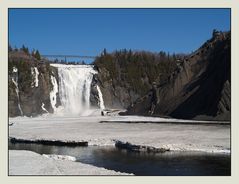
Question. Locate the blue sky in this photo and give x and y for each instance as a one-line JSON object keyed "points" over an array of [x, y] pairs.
{"points": [[89, 31]]}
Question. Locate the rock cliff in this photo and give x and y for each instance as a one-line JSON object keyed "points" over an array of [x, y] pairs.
{"points": [[29, 85], [199, 88], [124, 76], [193, 86]]}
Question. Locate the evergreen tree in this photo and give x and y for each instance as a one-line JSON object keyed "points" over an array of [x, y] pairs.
{"points": [[15, 49], [9, 48], [104, 52], [33, 53], [214, 33], [37, 55], [25, 49]]}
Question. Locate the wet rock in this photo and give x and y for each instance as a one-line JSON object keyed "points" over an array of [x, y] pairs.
{"points": [[49, 142], [138, 148]]}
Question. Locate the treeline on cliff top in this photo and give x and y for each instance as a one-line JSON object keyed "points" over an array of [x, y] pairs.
{"points": [[24, 59], [124, 66], [131, 67], [35, 55]]}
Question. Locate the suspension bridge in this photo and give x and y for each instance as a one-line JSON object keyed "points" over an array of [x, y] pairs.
{"points": [[67, 57]]}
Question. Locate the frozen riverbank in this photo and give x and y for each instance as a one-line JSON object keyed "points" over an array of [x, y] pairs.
{"points": [[31, 163], [209, 137]]}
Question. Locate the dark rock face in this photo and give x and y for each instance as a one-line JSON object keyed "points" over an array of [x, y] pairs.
{"points": [[94, 94], [124, 76], [199, 89], [195, 86], [12, 100], [115, 96], [33, 98], [138, 148]]}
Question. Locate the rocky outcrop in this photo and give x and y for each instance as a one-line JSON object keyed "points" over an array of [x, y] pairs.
{"points": [[34, 86], [198, 89], [124, 76], [139, 148], [32, 79], [195, 86], [115, 96], [94, 93], [48, 142]]}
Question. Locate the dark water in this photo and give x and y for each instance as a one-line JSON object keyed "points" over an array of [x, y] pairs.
{"points": [[161, 164]]}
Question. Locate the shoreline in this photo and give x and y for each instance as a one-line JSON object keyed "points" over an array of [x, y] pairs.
{"points": [[88, 130], [117, 144], [23, 163], [140, 138]]}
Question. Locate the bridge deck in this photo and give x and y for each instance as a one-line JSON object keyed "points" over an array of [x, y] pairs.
{"points": [[68, 56]]}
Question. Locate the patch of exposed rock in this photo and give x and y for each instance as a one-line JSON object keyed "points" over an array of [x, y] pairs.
{"points": [[29, 85], [198, 89]]}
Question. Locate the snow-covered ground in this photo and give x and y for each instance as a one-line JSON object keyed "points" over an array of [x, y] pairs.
{"points": [[30, 163], [209, 137], [137, 119]]}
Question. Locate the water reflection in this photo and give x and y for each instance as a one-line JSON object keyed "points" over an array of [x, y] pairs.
{"points": [[160, 164]]}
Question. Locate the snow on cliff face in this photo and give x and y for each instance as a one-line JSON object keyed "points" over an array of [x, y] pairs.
{"points": [[15, 82], [14, 70], [35, 72], [74, 88]]}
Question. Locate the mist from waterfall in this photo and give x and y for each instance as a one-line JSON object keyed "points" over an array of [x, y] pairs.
{"points": [[74, 88]]}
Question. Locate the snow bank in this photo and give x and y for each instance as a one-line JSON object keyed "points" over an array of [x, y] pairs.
{"points": [[61, 157], [30, 163], [143, 119]]}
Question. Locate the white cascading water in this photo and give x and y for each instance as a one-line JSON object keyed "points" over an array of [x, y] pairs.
{"points": [[74, 89], [53, 93], [101, 100], [43, 108]]}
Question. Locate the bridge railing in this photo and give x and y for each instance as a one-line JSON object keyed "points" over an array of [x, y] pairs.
{"points": [[69, 56], [66, 59]]}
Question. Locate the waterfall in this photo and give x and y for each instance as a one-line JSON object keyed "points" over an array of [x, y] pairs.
{"points": [[43, 108], [53, 93], [74, 88], [15, 82], [101, 100]]}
